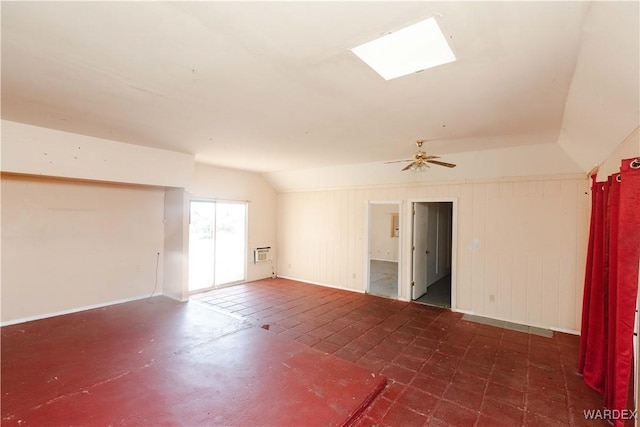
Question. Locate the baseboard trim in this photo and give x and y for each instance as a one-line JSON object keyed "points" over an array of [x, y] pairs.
{"points": [[459, 310], [517, 322], [321, 284], [71, 311], [565, 331], [385, 260], [533, 325]]}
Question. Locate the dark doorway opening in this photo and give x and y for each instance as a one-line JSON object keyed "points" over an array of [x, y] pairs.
{"points": [[432, 253]]}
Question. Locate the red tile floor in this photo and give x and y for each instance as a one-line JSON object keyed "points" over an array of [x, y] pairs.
{"points": [[442, 370], [157, 362]]}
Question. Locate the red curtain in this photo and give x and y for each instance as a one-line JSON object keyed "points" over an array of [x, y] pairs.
{"points": [[611, 286], [593, 363], [614, 212]]}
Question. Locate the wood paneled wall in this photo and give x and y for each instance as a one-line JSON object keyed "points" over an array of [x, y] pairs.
{"points": [[520, 246]]}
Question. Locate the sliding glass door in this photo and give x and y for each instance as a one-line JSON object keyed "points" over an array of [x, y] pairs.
{"points": [[230, 239], [217, 244]]}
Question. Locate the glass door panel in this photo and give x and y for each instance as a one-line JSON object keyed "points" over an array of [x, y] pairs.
{"points": [[230, 243], [217, 244], [201, 245]]}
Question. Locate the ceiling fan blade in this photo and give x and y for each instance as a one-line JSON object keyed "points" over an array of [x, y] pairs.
{"points": [[399, 161], [408, 166], [431, 157], [436, 162]]}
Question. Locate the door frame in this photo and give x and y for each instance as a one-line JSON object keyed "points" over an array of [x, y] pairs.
{"points": [[367, 238], [454, 244], [246, 241]]}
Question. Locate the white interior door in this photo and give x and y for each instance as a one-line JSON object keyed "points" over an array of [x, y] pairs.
{"points": [[420, 221]]}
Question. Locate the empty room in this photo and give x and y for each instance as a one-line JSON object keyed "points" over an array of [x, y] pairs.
{"points": [[319, 213]]}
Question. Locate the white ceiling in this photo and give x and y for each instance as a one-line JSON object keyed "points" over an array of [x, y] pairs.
{"points": [[273, 86]]}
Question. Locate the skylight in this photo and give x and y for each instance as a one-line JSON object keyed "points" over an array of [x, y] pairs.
{"points": [[411, 49]]}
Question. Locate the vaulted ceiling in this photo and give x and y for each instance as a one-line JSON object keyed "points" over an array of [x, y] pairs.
{"points": [[273, 87]]}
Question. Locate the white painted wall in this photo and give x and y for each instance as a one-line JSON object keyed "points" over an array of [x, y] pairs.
{"points": [[628, 149], [38, 284], [603, 104], [36, 150], [176, 244], [69, 245], [382, 245], [530, 243], [230, 184]]}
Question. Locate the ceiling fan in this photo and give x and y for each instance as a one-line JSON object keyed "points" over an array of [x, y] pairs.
{"points": [[420, 160]]}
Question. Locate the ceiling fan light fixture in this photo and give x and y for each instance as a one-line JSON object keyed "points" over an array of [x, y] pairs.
{"points": [[419, 167], [409, 50], [421, 161]]}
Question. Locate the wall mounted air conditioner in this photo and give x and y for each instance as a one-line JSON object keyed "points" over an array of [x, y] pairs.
{"points": [[262, 254]]}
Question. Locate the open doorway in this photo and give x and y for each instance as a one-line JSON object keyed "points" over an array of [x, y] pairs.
{"points": [[383, 263], [432, 253], [217, 244]]}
